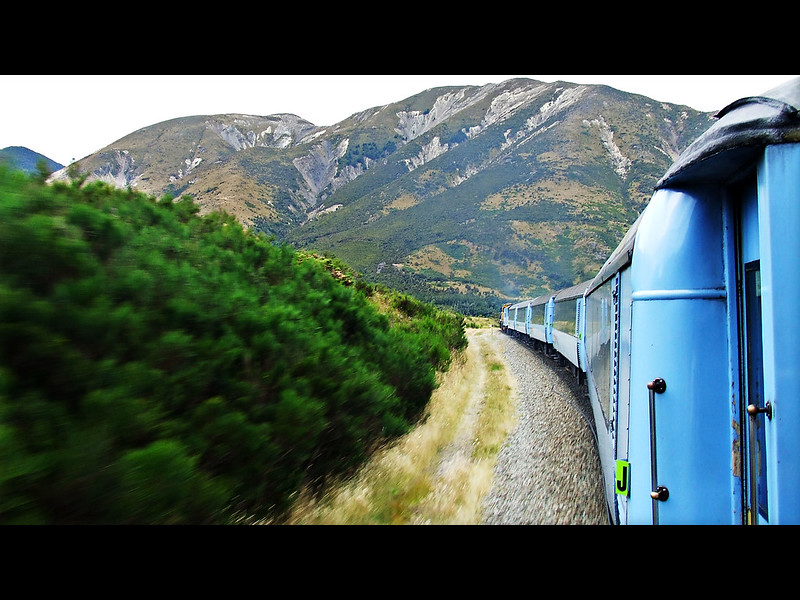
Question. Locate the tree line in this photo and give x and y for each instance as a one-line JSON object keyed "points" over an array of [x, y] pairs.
{"points": [[162, 367]]}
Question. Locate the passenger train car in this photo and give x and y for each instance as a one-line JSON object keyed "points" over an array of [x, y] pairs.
{"points": [[688, 334]]}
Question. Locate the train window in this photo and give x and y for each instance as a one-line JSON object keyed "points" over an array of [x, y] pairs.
{"points": [[599, 331], [564, 316], [537, 317]]}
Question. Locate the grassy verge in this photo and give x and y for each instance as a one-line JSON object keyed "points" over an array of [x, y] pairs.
{"points": [[440, 471]]}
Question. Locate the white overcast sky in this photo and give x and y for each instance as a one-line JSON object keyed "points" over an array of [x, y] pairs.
{"points": [[67, 117]]}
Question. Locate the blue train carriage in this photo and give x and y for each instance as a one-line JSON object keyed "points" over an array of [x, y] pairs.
{"points": [[567, 325], [606, 347], [691, 331], [541, 321], [516, 314]]}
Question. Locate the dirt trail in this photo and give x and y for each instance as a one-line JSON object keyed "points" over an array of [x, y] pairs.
{"points": [[479, 392], [501, 444]]}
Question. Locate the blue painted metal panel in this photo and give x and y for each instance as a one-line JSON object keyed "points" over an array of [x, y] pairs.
{"points": [[679, 297], [678, 244], [734, 226], [692, 415], [779, 218]]}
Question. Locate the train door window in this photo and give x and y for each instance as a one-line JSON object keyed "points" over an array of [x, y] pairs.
{"points": [[755, 387]]}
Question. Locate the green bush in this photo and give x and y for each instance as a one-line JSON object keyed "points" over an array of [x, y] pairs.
{"points": [[160, 367]]}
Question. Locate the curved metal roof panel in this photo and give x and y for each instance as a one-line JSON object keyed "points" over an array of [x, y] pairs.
{"points": [[576, 291], [743, 129]]}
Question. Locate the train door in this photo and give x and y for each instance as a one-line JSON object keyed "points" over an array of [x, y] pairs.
{"points": [[754, 408], [528, 312], [769, 325]]}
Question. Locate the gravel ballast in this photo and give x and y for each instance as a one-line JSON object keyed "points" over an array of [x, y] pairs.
{"points": [[548, 471]]}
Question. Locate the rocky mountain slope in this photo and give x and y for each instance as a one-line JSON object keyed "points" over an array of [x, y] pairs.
{"points": [[461, 195]]}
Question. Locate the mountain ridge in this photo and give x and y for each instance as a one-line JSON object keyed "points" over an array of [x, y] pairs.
{"points": [[462, 194], [25, 159]]}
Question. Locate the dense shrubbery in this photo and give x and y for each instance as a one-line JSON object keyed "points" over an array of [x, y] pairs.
{"points": [[160, 367]]}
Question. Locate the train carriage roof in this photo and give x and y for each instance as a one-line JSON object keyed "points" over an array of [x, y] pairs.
{"points": [[620, 258], [543, 299], [743, 128], [576, 291]]}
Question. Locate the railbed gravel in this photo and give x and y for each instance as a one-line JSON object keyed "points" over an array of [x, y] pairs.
{"points": [[548, 471]]}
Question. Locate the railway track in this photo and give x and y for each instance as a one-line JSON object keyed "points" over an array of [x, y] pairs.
{"points": [[548, 471]]}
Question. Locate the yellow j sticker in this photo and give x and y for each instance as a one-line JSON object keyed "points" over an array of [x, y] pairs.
{"points": [[623, 477]]}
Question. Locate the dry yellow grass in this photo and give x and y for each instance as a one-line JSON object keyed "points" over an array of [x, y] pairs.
{"points": [[440, 471]]}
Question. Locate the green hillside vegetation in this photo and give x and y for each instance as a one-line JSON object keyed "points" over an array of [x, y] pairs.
{"points": [[466, 196], [159, 367]]}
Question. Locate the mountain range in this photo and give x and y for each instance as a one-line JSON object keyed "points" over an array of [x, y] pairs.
{"points": [[25, 159], [463, 196]]}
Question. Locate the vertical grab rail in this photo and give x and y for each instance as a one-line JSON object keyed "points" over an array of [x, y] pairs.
{"points": [[659, 493]]}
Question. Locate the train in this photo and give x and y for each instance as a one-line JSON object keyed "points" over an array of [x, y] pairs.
{"points": [[687, 339]]}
